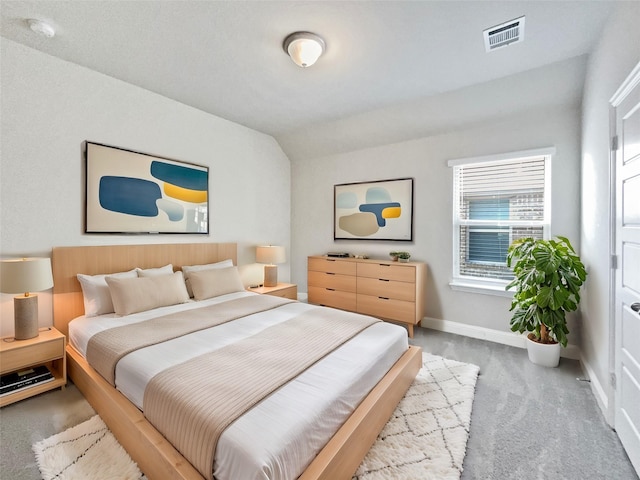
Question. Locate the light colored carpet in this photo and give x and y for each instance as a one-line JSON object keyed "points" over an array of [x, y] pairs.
{"points": [[426, 437]]}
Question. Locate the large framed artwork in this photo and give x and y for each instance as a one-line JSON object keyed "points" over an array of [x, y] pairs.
{"points": [[379, 210], [132, 192]]}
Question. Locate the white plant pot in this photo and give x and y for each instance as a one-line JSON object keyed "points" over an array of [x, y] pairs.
{"points": [[546, 355]]}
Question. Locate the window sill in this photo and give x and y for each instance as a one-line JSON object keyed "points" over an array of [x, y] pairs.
{"points": [[483, 287]]}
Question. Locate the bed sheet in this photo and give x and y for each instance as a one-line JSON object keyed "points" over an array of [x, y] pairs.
{"points": [[279, 436]]}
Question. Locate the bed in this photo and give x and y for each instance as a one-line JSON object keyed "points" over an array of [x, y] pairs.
{"points": [[155, 455]]}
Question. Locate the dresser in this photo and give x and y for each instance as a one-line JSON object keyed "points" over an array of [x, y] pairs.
{"points": [[389, 290]]}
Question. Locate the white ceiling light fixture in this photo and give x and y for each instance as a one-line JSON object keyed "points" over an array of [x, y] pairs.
{"points": [[304, 48], [41, 28]]}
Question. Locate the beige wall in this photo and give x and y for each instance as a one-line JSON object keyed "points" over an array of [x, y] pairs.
{"points": [[425, 160], [50, 107], [613, 58]]}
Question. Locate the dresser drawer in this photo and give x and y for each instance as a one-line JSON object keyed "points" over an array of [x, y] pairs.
{"points": [[39, 353], [345, 283], [389, 308], [332, 298], [331, 265], [387, 271], [386, 288]]}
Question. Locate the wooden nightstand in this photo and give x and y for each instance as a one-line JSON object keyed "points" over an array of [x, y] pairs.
{"points": [[286, 290], [48, 349]]}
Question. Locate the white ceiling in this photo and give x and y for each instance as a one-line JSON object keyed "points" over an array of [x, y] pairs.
{"points": [[226, 57]]}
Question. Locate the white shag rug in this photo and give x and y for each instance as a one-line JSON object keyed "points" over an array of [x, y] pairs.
{"points": [[86, 451], [426, 438]]}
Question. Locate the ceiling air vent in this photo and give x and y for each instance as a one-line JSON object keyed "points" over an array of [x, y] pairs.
{"points": [[504, 34]]}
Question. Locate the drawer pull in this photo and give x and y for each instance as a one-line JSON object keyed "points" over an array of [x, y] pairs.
{"points": [[383, 298], [329, 273], [383, 279], [384, 264], [331, 289], [330, 260]]}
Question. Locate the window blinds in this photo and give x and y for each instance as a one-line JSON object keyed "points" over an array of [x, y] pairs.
{"points": [[497, 202], [520, 183]]}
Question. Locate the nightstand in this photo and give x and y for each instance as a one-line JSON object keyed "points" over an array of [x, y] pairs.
{"points": [[48, 348], [286, 290]]}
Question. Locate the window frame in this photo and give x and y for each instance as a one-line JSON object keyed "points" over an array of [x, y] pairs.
{"points": [[487, 285]]}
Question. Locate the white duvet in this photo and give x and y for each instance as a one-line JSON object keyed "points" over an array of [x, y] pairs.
{"points": [[281, 435]]}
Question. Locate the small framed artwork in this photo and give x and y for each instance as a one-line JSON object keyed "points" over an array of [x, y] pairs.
{"points": [[379, 210], [132, 192]]}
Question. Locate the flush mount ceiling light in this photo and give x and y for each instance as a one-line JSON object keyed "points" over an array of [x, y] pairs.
{"points": [[304, 48], [41, 28]]}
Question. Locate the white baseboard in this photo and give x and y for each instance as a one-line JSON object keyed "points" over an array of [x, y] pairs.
{"points": [[497, 336], [597, 389]]}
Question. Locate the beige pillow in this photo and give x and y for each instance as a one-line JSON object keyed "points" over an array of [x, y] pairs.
{"points": [[214, 282], [187, 270], [132, 295], [151, 272], [95, 292]]}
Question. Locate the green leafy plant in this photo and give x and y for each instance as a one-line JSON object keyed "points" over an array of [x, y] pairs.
{"points": [[403, 255], [548, 277]]}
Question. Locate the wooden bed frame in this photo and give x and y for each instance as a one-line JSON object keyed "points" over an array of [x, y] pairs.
{"points": [[155, 456]]}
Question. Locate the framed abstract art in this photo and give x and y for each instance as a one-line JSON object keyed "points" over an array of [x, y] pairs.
{"points": [[132, 192], [379, 210]]}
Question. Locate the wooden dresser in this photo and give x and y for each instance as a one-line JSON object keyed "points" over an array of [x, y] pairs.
{"points": [[385, 289]]}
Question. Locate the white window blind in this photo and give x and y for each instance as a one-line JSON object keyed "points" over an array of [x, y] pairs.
{"points": [[496, 202]]}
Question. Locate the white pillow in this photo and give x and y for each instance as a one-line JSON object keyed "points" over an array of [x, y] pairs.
{"points": [[150, 272], [189, 269], [131, 295], [214, 282], [95, 292]]}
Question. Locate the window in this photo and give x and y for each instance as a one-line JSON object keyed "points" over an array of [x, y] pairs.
{"points": [[496, 201]]}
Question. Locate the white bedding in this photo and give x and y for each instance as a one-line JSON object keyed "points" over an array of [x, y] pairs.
{"points": [[280, 436]]}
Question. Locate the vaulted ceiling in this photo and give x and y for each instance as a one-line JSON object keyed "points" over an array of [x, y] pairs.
{"points": [[226, 57]]}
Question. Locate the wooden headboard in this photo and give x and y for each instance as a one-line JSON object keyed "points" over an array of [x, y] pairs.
{"points": [[67, 262]]}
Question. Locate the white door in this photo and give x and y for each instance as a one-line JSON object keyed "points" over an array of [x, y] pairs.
{"points": [[627, 288]]}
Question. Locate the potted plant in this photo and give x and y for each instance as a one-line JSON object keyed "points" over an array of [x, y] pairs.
{"points": [[403, 256], [548, 277]]}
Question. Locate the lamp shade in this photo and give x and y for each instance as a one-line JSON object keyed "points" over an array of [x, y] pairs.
{"points": [[22, 275], [270, 254]]}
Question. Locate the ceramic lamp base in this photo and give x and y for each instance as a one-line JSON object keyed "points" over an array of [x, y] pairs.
{"points": [[270, 275], [26, 317]]}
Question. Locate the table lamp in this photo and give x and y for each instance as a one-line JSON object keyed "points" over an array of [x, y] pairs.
{"points": [[270, 255], [25, 275]]}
